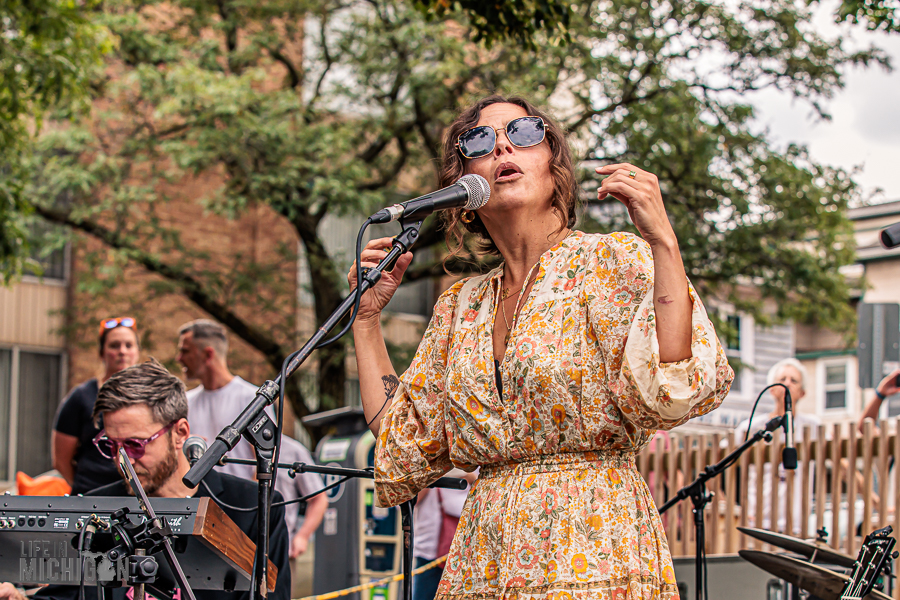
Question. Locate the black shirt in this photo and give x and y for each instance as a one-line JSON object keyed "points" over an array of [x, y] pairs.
{"points": [[230, 490], [74, 417]]}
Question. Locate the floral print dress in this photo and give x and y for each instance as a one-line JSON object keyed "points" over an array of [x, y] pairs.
{"points": [[559, 510]]}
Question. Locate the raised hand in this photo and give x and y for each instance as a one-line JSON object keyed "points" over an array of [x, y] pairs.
{"points": [[639, 191], [888, 386], [376, 298]]}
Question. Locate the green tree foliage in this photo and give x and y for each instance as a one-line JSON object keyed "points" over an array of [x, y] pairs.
{"points": [[523, 21], [875, 14], [527, 21], [323, 109], [47, 48]]}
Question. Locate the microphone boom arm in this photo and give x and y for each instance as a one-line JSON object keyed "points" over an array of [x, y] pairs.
{"points": [[268, 391], [253, 420], [696, 491]]}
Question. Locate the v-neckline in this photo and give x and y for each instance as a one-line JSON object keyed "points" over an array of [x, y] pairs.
{"points": [[496, 290]]}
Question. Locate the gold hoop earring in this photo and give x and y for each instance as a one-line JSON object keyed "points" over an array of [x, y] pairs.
{"points": [[467, 216]]}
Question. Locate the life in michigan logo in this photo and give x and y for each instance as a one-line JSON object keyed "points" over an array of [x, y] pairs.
{"points": [[44, 561]]}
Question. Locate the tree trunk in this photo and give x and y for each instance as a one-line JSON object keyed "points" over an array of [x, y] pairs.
{"points": [[326, 290]]}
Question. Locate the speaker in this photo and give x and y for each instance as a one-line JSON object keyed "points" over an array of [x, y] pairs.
{"points": [[728, 576]]}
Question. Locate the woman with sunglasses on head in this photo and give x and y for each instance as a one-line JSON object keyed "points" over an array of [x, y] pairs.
{"points": [[74, 454], [551, 372]]}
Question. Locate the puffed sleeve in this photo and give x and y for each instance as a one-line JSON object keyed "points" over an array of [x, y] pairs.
{"points": [[412, 450], [650, 394]]}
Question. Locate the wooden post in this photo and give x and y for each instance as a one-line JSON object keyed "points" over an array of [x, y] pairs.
{"points": [[745, 493], [715, 515], [896, 519], [883, 484], [850, 543], [731, 541], [836, 476], [672, 521], [805, 478], [758, 476], [868, 439], [684, 507]]}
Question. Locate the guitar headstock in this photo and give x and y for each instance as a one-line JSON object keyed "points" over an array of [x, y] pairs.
{"points": [[875, 552]]}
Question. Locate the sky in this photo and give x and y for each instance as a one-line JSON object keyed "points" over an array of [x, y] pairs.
{"points": [[864, 132]]}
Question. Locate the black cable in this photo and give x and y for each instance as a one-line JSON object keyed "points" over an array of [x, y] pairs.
{"points": [[280, 411], [225, 504], [81, 556], [703, 586], [359, 272], [383, 404], [316, 493], [750, 421], [285, 503]]}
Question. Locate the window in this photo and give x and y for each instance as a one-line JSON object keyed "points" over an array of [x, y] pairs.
{"points": [[338, 234], [835, 386], [52, 260], [5, 403], [53, 265], [733, 349], [733, 333], [737, 337], [30, 392]]}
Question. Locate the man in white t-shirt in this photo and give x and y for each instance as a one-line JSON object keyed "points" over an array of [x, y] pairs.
{"points": [[792, 374], [216, 403], [221, 396]]}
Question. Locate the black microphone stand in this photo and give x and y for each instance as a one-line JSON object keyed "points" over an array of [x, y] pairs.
{"points": [[135, 543], [406, 509], [258, 429], [696, 490]]}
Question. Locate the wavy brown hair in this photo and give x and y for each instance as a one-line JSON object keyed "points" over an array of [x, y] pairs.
{"points": [[453, 166]]}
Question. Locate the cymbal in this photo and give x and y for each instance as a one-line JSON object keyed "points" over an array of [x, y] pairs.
{"points": [[815, 551], [814, 579]]}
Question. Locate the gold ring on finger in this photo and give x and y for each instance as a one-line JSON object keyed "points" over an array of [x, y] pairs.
{"points": [[632, 174]]}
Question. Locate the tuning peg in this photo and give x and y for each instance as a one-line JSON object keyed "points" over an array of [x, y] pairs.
{"points": [[895, 554]]}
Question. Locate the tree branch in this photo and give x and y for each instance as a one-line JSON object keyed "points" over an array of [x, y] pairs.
{"points": [[293, 75], [189, 285], [391, 173]]}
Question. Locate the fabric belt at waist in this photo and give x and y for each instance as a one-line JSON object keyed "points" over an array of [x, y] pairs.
{"points": [[563, 461]]}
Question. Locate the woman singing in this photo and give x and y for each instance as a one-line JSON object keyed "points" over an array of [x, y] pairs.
{"points": [[551, 372]]}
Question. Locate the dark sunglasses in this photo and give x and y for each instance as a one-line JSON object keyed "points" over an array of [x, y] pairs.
{"points": [[523, 132], [116, 322], [134, 447]]}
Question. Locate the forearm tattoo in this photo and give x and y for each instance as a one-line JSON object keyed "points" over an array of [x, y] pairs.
{"points": [[391, 383]]}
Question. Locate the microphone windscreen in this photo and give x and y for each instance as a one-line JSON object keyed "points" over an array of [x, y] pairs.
{"points": [[194, 447], [890, 236], [789, 458], [477, 188]]}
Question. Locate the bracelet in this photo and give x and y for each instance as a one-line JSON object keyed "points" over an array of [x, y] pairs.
{"points": [[879, 394]]}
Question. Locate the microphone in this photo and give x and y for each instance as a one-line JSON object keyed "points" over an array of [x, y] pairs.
{"points": [[789, 454], [193, 448], [470, 192], [890, 236]]}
